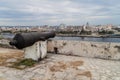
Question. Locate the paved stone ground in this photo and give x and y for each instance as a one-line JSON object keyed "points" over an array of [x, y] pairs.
{"points": [[62, 67]]}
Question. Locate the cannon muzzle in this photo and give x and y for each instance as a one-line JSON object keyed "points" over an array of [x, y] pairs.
{"points": [[22, 40]]}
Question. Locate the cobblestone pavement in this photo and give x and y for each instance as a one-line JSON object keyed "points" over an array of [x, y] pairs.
{"points": [[62, 67]]}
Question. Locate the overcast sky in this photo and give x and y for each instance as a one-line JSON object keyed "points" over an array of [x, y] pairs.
{"points": [[55, 12]]}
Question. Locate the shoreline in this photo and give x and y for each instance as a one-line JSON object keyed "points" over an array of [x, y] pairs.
{"points": [[77, 35], [89, 36]]}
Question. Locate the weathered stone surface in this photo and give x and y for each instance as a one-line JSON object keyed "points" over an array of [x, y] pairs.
{"points": [[10, 55], [11, 60], [62, 67]]}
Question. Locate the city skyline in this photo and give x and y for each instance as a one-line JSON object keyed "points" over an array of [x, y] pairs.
{"points": [[54, 12]]}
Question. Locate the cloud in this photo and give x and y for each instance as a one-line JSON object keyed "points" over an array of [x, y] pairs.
{"points": [[38, 12]]}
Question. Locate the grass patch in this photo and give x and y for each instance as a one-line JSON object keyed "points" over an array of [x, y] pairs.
{"points": [[22, 64], [1, 37]]}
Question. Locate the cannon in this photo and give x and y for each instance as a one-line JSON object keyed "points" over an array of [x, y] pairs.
{"points": [[22, 40], [34, 44]]}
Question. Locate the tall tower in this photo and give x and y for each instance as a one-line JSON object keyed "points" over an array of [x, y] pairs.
{"points": [[87, 24]]}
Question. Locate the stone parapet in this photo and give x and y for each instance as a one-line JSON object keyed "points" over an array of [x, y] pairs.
{"points": [[104, 50]]}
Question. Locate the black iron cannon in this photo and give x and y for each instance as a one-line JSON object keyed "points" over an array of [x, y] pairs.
{"points": [[22, 40]]}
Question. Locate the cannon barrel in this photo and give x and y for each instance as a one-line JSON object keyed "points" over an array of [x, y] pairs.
{"points": [[22, 40]]}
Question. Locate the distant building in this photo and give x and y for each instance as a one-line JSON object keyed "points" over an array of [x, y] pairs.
{"points": [[62, 26]]}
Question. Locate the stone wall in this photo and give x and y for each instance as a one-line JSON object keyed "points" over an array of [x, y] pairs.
{"points": [[104, 50], [4, 43]]}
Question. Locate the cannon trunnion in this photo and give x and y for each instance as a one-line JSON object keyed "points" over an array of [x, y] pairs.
{"points": [[22, 40]]}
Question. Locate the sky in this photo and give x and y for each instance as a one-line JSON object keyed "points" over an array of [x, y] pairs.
{"points": [[55, 12]]}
